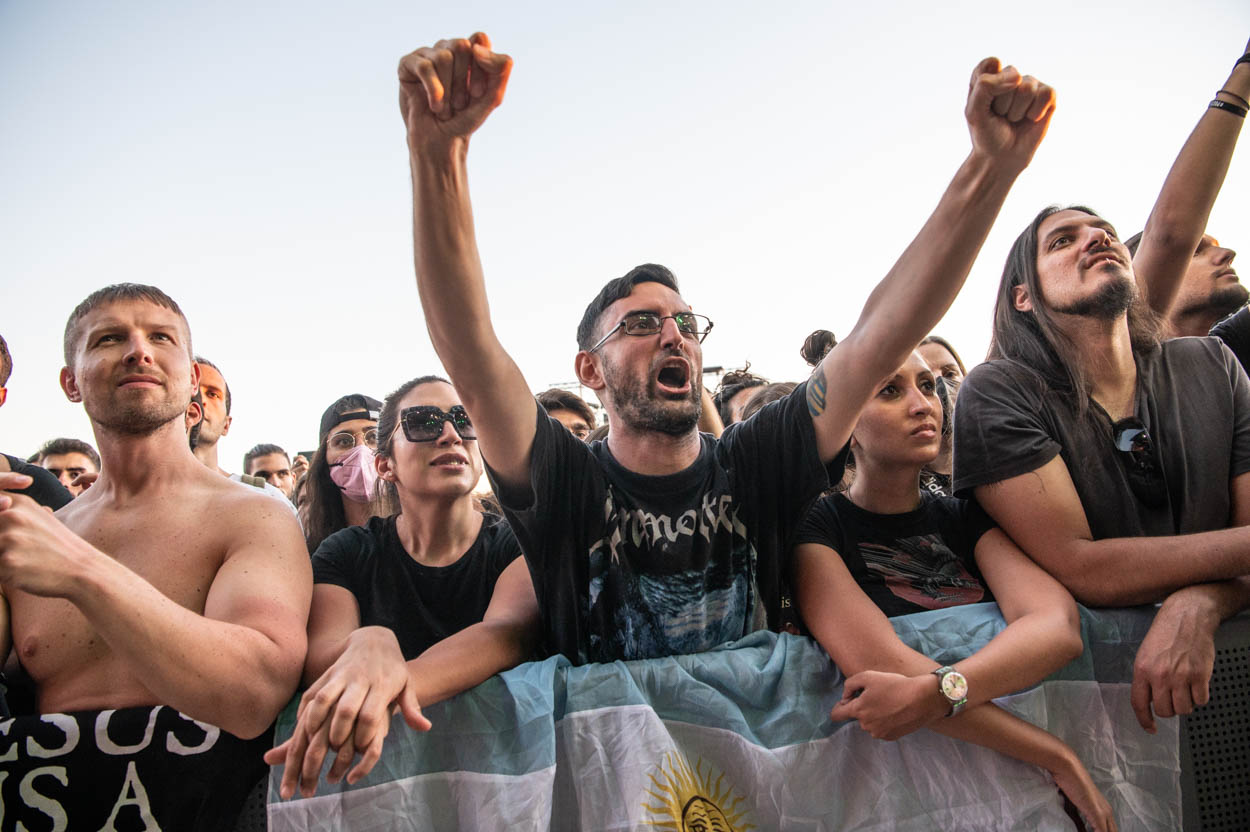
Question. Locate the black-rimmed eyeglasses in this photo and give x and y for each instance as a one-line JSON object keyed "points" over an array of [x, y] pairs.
{"points": [[649, 323], [1137, 450], [424, 423]]}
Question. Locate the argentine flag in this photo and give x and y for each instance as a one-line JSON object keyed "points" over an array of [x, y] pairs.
{"points": [[740, 739]]}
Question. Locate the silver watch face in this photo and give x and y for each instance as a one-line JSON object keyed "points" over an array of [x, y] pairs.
{"points": [[954, 686]]}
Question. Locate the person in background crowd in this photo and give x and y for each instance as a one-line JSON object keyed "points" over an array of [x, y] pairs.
{"points": [[942, 359], [767, 394], [341, 476], [45, 489], [569, 410], [1116, 461], [949, 370], [733, 392], [887, 547], [411, 608], [271, 464], [215, 403], [70, 461], [608, 587], [163, 584]]}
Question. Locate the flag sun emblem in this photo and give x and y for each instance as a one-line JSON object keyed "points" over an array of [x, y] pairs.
{"points": [[693, 800]]}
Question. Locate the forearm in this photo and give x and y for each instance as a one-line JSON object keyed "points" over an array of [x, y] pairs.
{"points": [[1126, 571], [468, 658], [230, 675], [1022, 654], [921, 286], [1207, 605], [991, 727], [1179, 217]]}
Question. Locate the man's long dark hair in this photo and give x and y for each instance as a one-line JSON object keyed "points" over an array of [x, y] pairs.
{"points": [[1033, 338]]}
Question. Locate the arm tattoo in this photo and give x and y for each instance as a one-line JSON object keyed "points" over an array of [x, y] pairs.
{"points": [[816, 392]]}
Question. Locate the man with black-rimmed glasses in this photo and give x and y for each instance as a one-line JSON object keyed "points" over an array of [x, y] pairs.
{"points": [[662, 540]]}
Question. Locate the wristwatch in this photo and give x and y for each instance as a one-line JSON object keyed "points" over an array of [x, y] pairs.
{"points": [[952, 685]]}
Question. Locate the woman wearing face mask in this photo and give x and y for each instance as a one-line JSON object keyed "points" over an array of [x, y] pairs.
{"points": [[886, 547], [412, 608], [339, 491]]}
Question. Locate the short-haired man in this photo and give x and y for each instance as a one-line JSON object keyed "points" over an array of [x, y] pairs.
{"points": [[271, 464], [44, 488], [568, 409], [215, 405], [1115, 461], [164, 583], [662, 540], [69, 460]]}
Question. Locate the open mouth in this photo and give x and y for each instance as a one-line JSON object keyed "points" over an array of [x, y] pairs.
{"points": [[674, 377], [449, 460]]}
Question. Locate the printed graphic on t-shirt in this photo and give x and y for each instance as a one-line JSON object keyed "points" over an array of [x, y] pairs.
{"points": [[662, 585], [922, 570]]}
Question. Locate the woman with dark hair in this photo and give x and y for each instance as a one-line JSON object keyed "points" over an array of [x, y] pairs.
{"points": [[338, 491], [412, 608], [885, 547]]}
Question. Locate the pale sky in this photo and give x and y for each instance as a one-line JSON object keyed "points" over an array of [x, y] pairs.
{"points": [[249, 159]]}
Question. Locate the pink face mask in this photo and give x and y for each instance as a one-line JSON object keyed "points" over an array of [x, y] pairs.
{"points": [[355, 475]]}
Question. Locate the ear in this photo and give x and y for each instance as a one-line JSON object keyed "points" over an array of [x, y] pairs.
{"points": [[195, 378], [195, 414], [225, 429], [383, 466], [69, 384], [1020, 298], [589, 371], [4, 394]]}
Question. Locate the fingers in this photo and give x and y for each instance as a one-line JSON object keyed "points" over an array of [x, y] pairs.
{"points": [[12, 481], [347, 713], [276, 756], [342, 762], [367, 760], [411, 709], [462, 59], [373, 719], [294, 760], [313, 758], [418, 69], [1140, 699], [495, 67]]}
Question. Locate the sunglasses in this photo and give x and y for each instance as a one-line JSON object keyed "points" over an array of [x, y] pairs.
{"points": [[424, 423], [1137, 451]]}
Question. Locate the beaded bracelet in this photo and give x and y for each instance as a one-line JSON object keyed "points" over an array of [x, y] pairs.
{"points": [[1217, 104]]}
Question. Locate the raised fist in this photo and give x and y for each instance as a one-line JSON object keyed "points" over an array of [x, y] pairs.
{"points": [[1007, 112], [447, 90]]}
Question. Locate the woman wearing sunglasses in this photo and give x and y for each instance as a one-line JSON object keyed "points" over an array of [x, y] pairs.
{"points": [[412, 608], [887, 547]]}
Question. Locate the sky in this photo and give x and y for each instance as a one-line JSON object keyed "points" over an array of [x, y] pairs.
{"points": [[249, 159]]}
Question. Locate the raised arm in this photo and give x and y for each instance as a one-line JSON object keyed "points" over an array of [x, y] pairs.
{"points": [[1007, 115], [446, 92], [891, 690], [1179, 217], [235, 665]]}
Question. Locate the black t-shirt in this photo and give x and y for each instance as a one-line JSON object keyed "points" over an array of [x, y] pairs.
{"points": [[422, 604], [912, 562], [627, 566], [46, 490], [1192, 396], [1235, 332]]}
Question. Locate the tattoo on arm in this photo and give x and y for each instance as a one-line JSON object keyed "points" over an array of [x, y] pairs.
{"points": [[816, 392]]}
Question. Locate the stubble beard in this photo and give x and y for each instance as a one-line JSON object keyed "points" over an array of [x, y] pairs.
{"points": [[136, 418], [639, 406], [1109, 302], [1222, 301]]}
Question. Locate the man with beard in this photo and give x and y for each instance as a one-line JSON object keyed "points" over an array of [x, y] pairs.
{"points": [[164, 583], [1117, 461], [662, 540]]}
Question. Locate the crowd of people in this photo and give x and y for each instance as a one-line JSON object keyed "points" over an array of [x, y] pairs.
{"points": [[1098, 455]]}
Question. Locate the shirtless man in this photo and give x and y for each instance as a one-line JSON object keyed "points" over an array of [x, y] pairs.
{"points": [[126, 596]]}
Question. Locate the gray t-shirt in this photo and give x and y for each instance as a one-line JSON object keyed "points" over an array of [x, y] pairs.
{"points": [[1193, 398]]}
